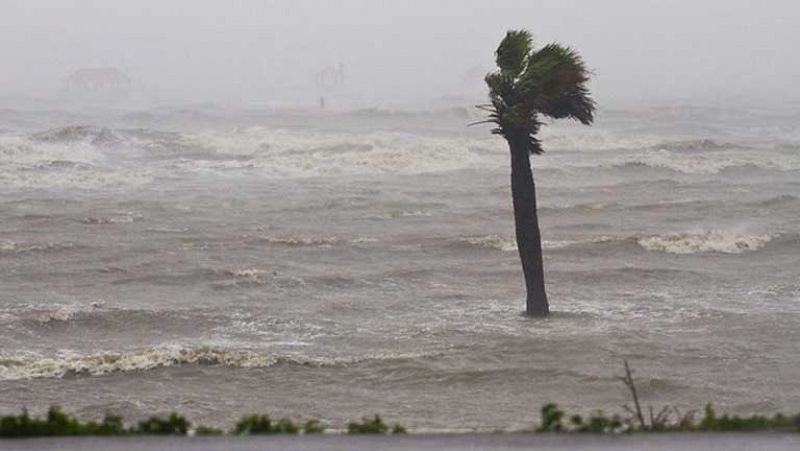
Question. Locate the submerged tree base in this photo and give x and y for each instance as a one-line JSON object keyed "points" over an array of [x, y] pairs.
{"points": [[537, 312]]}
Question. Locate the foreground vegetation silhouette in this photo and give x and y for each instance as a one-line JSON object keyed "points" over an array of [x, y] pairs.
{"points": [[667, 419], [553, 420], [56, 423], [373, 426], [528, 85]]}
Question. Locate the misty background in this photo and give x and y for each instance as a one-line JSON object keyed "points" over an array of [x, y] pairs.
{"points": [[395, 54]]}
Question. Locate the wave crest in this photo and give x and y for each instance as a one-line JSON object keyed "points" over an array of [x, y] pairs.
{"points": [[94, 135], [106, 363], [113, 362], [704, 163], [705, 241], [11, 247], [301, 241], [692, 145], [507, 244]]}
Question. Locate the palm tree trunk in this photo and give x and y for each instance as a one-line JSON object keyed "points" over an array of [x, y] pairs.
{"points": [[529, 240]]}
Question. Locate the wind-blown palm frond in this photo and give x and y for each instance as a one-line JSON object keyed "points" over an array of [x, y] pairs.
{"points": [[554, 84], [512, 54], [550, 81]]}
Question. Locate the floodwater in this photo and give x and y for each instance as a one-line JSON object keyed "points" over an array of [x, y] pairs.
{"points": [[220, 262]]}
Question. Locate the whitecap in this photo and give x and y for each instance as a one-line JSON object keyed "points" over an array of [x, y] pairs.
{"points": [[104, 363], [704, 241], [509, 244]]}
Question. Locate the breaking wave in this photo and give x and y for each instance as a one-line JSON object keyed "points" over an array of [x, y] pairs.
{"points": [[506, 244], [283, 153], [71, 157], [245, 273], [705, 241], [64, 312], [708, 241], [92, 157], [11, 247], [693, 145], [105, 363], [301, 241], [492, 242], [701, 164], [94, 135], [121, 218], [397, 214]]}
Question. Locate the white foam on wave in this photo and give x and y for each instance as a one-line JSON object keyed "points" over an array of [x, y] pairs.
{"points": [[105, 363], [595, 139], [397, 214], [262, 276], [79, 161], [497, 242], [509, 244], [64, 312], [7, 246], [706, 162], [302, 241], [113, 362], [31, 163], [48, 313], [121, 218], [698, 156], [727, 242], [704, 241], [289, 153], [12, 247], [364, 240], [247, 273]]}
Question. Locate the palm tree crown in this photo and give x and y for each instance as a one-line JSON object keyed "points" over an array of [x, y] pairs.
{"points": [[550, 81]]}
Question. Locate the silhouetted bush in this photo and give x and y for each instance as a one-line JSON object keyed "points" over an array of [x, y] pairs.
{"points": [[175, 424], [553, 419], [262, 424], [726, 423], [373, 426], [666, 420], [313, 427], [207, 430], [111, 425], [57, 423]]}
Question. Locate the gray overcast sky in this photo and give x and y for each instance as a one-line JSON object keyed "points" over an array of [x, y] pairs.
{"points": [[640, 50]]}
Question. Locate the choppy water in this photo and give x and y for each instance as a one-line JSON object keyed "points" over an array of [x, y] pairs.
{"points": [[219, 262]]}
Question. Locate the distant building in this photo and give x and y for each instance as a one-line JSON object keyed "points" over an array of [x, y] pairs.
{"points": [[97, 79]]}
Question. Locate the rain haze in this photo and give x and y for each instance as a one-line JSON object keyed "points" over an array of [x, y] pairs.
{"points": [[401, 52], [224, 208]]}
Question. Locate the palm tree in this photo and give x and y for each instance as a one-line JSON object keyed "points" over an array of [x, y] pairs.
{"points": [[527, 85]]}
